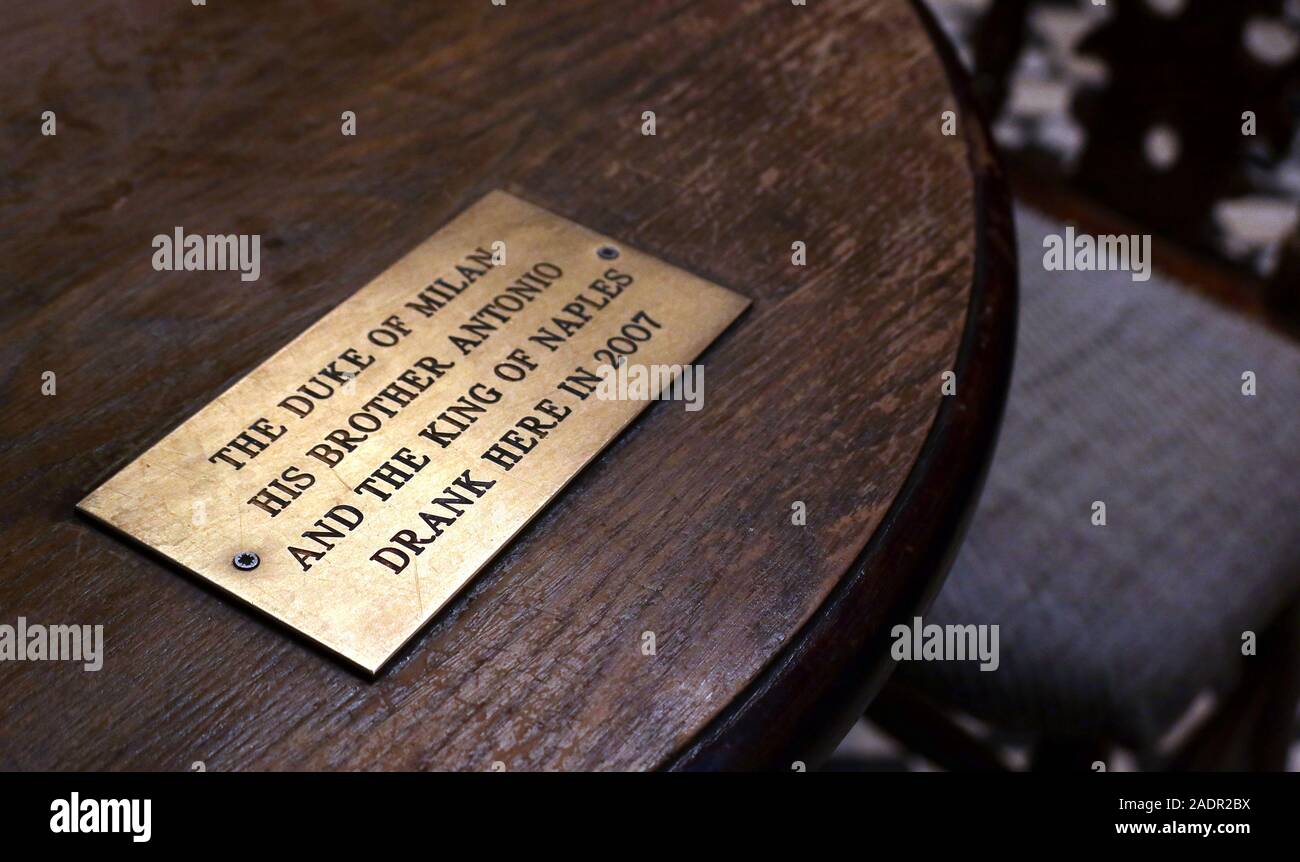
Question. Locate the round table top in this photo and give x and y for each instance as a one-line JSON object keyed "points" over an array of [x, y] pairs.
{"points": [[776, 123]]}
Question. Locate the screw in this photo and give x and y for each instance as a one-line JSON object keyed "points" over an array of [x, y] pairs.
{"points": [[246, 561], [607, 252]]}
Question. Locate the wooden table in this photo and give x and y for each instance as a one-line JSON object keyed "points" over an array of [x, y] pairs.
{"points": [[775, 123]]}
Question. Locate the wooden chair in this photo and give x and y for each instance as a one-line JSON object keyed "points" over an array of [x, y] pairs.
{"points": [[1132, 395]]}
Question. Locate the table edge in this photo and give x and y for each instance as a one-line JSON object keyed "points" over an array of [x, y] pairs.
{"points": [[809, 696]]}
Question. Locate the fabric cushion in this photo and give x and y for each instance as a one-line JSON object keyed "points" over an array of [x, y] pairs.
{"points": [[1129, 393]]}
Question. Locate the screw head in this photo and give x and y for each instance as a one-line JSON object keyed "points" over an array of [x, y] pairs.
{"points": [[246, 561], [607, 252]]}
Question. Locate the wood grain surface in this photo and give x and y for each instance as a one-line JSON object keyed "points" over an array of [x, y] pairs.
{"points": [[776, 123]]}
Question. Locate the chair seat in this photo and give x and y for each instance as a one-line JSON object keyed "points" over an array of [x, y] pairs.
{"points": [[1128, 393]]}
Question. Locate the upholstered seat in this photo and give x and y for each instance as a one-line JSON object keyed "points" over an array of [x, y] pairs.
{"points": [[1129, 394]]}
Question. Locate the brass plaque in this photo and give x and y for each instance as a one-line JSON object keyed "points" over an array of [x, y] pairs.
{"points": [[355, 481]]}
